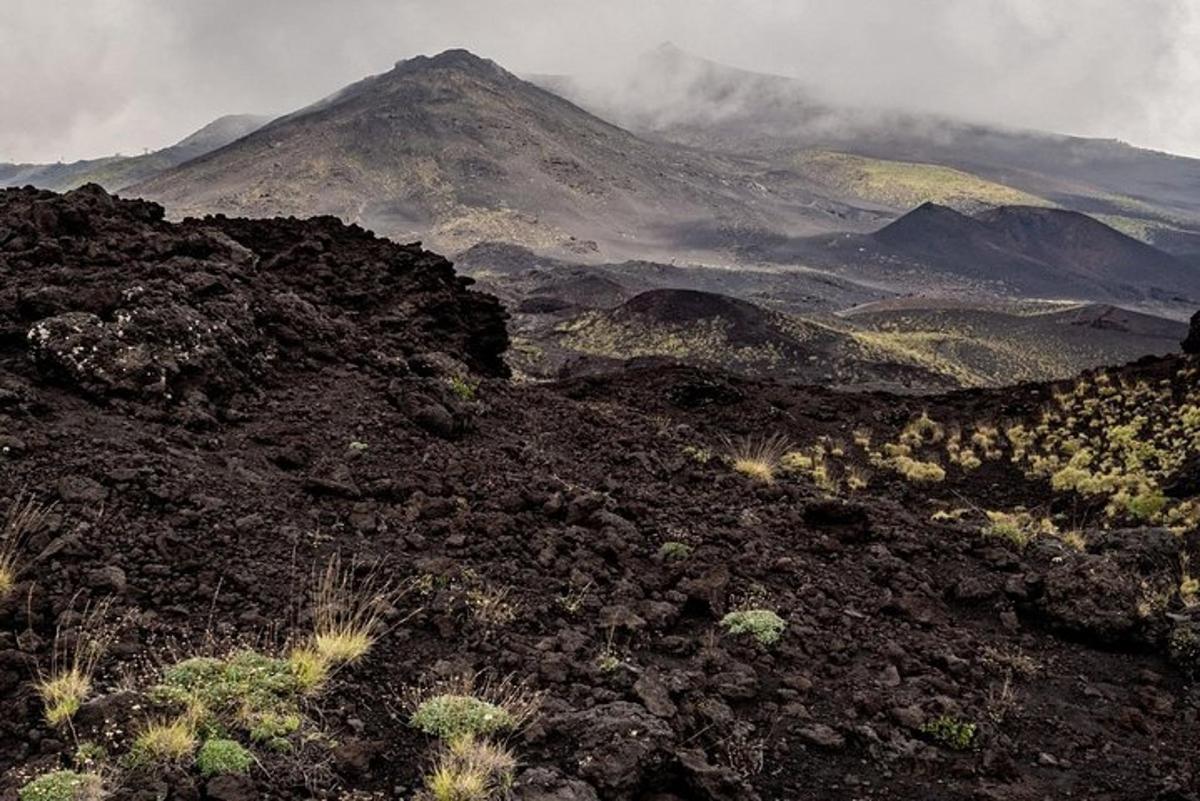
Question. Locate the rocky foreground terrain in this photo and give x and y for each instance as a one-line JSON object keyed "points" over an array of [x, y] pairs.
{"points": [[659, 583]]}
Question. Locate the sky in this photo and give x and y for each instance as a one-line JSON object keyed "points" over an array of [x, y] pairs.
{"points": [[87, 78]]}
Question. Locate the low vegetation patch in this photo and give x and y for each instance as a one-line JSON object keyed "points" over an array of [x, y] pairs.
{"points": [[762, 624], [467, 707], [955, 734], [673, 550], [220, 756], [63, 785]]}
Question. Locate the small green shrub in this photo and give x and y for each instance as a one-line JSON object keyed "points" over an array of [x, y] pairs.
{"points": [[672, 551], [63, 785], [762, 624], [219, 756], [463, 388], [450, 716], [1147, 504], [957, 735], [88, 755], [1183, 647]]}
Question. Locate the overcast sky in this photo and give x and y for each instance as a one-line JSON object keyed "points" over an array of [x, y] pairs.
{"points": [[92, 77]]}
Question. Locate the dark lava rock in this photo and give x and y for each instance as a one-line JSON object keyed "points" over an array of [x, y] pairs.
{"points": [[1191, 343], [158, 310], [619, 744]]}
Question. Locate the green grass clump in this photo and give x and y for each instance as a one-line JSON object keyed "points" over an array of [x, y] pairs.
{"points": [[762, 624], [673, 550], [957, 735], [463, 388], [219, 756], [450, 716], [244, 685], [63, 785]]}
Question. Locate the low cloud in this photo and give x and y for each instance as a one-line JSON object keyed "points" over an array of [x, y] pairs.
{"points": [[83, 80]]}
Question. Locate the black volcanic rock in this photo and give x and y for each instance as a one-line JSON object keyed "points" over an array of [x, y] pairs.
{"points": [[1192, 343], [105, 296]]}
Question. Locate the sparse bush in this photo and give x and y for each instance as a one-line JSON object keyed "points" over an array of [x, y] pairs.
{"points": [[674, 550], [164, 742], [63, 785], [758, 458], [310, 669], [857, 479], [492, 606], [698, 454], [1017, 527], [608, 662], [950, 732], [762, 624], [219, 756]]}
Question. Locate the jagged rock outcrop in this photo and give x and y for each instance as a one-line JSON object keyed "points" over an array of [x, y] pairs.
{"points": [[107, 297]]}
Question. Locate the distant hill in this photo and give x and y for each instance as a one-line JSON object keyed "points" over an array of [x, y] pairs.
{"points": [[1033, 251], [117, 172], [456, 150], [706, 328]]}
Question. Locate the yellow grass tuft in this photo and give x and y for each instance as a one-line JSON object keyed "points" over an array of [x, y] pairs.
{"points": [[24, 517], [310, 668], [758, 458], [348, 613], [471, 769], [165, 741], [75, 657]]}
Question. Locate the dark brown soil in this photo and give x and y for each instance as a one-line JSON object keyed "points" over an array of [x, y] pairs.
{"points": [[189, 396]]}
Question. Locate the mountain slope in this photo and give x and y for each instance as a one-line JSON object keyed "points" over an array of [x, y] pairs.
{"points": [[455, 149], [677, 96], [118, 172]]}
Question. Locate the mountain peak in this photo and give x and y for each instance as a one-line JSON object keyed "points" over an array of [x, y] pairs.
{"points": [[454, 59]]}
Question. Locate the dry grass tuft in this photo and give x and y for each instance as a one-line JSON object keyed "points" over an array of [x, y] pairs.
{"points": [[75, 656], [24, 517], [348, 613], [758, 458], [165, 741], [471, 769]]}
